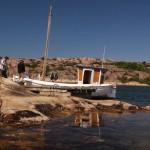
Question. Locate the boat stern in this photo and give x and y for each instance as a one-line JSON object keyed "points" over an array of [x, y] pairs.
{"points": [[105, 91]]}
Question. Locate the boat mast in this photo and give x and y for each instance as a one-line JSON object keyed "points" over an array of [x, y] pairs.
{"points": [[103, 59], [46, 44]]}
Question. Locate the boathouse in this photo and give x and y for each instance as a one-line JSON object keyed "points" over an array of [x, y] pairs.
{"points": [[91, 75]]}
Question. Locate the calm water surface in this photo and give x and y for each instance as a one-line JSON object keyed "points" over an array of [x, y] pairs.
{"points": [[120, 132], [130, 131], [139, 95]]}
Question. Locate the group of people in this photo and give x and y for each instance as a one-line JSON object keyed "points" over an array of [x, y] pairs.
{"points": [[4, 67], [20, 68], [53, 76]]}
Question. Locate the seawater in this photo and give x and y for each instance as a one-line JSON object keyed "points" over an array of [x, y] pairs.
{"points": [[129, 131], [139, 95]]}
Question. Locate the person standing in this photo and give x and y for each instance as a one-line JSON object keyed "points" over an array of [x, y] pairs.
{"points": [[4, 67], [0, 66], [52, 77], [21, 69]]}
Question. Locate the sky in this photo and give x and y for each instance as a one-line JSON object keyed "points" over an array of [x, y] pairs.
{"points": [[79, 28]]}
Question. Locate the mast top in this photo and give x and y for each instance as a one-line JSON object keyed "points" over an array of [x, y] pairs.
{"points": [[103, 59], [50, 10]]}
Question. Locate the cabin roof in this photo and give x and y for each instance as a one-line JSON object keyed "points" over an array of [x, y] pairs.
{"points": [[92, 67]]}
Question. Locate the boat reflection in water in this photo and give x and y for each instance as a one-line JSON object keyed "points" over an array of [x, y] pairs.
{"points": [[92, 118], [53, 134], [87, 119]]}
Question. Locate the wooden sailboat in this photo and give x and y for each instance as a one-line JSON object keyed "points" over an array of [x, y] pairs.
{"points": [[90, 79]]}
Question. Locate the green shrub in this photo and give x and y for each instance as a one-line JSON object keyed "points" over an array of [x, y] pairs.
{"points": [[96, 63], [27, 65], [146, 80], [68, 63], [47, 70], [123, 79], [132, 66], [33, 65], [61, 67], [106, 77]]}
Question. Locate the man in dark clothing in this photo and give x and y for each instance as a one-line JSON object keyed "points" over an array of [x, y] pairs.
{"points": [[52, 76], [21, 69], [56, 76]]}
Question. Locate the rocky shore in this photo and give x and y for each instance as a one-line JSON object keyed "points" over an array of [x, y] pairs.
{"points": [[18, 106]]}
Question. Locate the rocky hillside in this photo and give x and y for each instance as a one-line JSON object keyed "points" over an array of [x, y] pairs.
{"points": [[118, 71]]}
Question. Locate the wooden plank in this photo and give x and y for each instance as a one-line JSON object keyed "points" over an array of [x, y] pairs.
{"points": [[80, 74], [96, 76]]}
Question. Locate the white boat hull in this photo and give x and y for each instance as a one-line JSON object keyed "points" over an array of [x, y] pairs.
{"points": [[102, 90], [105, 91]]}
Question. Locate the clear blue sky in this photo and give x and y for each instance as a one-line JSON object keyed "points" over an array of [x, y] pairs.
{"points": [[80, 28]]}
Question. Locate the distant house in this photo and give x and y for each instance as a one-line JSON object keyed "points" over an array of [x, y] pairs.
{"points": [[90, 75]]}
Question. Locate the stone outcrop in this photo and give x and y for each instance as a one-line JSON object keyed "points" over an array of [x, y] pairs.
{"points": [[146, 108], [20, 106]]}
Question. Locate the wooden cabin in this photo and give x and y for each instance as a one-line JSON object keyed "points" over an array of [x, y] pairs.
{"points": [[90, 75]]}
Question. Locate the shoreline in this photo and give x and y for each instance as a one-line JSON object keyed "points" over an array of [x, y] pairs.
{"points": [[128, 84], [35, 110], [19, 107]]}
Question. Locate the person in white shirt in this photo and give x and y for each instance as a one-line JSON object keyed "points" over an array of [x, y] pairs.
{"points": [[3, 66]]}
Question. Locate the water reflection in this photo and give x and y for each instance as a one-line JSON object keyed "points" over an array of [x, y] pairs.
{"points": [[86, 119], [120, 132], [92, 118], [22, 138]]}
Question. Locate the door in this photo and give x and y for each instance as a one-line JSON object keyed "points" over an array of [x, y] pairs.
{"points": [[87, 77]]}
